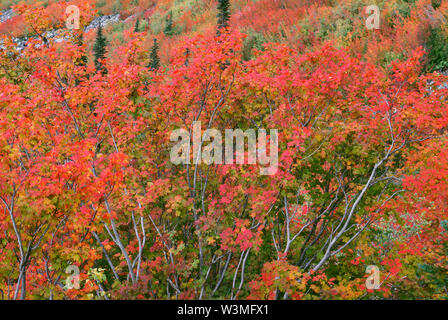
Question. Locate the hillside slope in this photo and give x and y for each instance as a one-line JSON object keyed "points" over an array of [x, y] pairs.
{"points": [[195, 149]]}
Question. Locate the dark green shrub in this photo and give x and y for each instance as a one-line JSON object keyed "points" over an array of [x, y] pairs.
{"points": [[437, 47]]}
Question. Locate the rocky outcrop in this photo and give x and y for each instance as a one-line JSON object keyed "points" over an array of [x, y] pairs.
{"points": [[103, 20], [55, 35], [6, 15]]}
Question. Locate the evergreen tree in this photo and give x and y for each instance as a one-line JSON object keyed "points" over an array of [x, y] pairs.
{"points": [[187, 56], [137, 25], [79, 40], [169, 31], [223, 14], [100, 49], [154, 62], [436, 3]]}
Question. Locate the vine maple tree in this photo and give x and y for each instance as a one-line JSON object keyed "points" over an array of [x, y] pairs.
{"points": [[86, 177]]}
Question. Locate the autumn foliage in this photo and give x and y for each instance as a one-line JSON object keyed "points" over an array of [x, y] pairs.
{"points": [[86, 178]]}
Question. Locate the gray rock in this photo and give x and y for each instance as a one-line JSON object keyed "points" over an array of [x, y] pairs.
{"points": [[56, 35], [103, 20], [6, 15]]}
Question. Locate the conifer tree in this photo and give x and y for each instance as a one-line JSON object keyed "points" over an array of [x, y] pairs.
{"points": [[187, 56], [137, 25], [100, 50], [223, 14], [154, 62], [79, 40], [169, 31], [436, 3]]}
